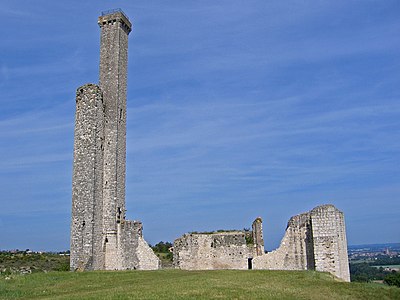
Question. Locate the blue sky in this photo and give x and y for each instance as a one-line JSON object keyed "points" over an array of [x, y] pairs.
{"points": [[236, 109]]}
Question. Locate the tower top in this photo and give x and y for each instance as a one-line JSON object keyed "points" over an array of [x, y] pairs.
{"points": [[115, 15]]}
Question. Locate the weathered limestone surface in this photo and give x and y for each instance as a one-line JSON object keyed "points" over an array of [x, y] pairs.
{"points": [[313, 241], [258, 238], [146, 257], [115, 28], [329, 241], [292, 253], [86, 224], [221, 250], [101, 238]]}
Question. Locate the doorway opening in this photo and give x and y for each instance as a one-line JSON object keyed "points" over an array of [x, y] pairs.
{"points": [[250, 263]]}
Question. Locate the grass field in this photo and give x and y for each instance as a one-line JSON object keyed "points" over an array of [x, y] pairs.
{"points": [[176, 284]]}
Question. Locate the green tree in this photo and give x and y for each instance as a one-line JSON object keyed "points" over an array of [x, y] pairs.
{"points": [[162, 247], [393, 279]]}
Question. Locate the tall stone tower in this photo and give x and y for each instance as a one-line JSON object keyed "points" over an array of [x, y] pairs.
{"points": [[115, 28], [101, 238]]}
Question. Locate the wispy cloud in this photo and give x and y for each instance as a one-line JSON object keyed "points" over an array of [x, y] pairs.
{"points": [[235, 109], [15, 12]]}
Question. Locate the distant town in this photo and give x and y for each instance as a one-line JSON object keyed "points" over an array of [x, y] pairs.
{"points": [[373, 252]]}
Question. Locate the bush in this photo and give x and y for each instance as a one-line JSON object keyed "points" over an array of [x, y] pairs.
{"points": [[63, 267], [169, 256], [6, 272], [363, 272], [249, 239], [392, 279]]}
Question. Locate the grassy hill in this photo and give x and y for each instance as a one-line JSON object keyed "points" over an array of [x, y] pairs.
{"points": [[23, 262], [176, 284]]}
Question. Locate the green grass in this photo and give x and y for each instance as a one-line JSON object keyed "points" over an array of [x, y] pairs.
{"points": [[176, 284]]}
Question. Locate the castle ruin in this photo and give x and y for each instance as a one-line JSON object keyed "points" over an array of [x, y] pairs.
{"points": [[315, 240], [101, 237]]}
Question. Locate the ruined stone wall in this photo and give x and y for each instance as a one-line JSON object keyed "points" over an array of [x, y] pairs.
{"points": [[225, 250], [330, 245], [313, 241], [146, 257], [258, 238], [135, 252], [111, 252], [294, 250], [128, 234], [86, 225], [128, 250]]}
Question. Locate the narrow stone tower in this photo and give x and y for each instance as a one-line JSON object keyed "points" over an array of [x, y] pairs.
{"points": [[87, 182], [101, 238]]}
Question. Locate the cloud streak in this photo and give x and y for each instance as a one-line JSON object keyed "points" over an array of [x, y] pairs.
{"points": [[235, 109]]}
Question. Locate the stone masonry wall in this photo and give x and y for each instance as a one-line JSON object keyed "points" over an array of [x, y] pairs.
{"points": [[225, 250], [258, 238], [135, 252], [146, 257], [86, 225], [292, 253], [313, 241], [330, 245]]}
